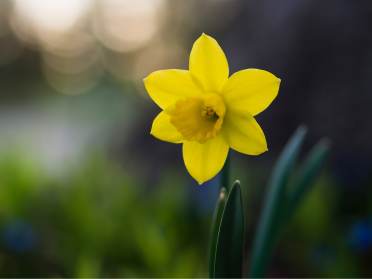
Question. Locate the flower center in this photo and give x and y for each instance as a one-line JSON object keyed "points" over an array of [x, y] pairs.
{"points": [[198, 118]]}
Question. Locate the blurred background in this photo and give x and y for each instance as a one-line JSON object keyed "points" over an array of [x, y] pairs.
{"points": [[85, 191]]}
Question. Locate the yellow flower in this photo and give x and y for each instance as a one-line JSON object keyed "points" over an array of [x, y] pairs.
{"points": [[208, 111]]}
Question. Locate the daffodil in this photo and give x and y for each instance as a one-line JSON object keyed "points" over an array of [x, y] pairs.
{"points": [[208, 111]]}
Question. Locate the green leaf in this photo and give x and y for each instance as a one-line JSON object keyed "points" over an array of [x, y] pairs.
{"points": [[215, 229], [272, 213], [230, 239], [307, 175]]}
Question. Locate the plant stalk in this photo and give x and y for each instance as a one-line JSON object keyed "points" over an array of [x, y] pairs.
{"points": [[225, 174]]}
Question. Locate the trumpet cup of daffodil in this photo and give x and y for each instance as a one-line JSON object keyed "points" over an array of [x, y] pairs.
{"points": [[208, 111]]}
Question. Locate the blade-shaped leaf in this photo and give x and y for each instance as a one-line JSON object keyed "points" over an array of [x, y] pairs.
{"points": [[230, 240], [215, 229], [307, 175], [273, 207]]}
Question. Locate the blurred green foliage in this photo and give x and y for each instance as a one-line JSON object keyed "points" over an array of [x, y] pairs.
{"points": [[96, 221]]}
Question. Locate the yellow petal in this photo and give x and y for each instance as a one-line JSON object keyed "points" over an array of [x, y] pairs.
{"points": [[164, 130], [204, 160], [165, 87], [250, 91], [208, 63], [243, 134]]}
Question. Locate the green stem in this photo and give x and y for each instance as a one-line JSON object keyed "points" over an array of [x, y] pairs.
{"points": [[225, 174]]}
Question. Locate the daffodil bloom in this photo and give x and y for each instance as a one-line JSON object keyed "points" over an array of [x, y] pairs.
{"points": [[208, 111]]}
